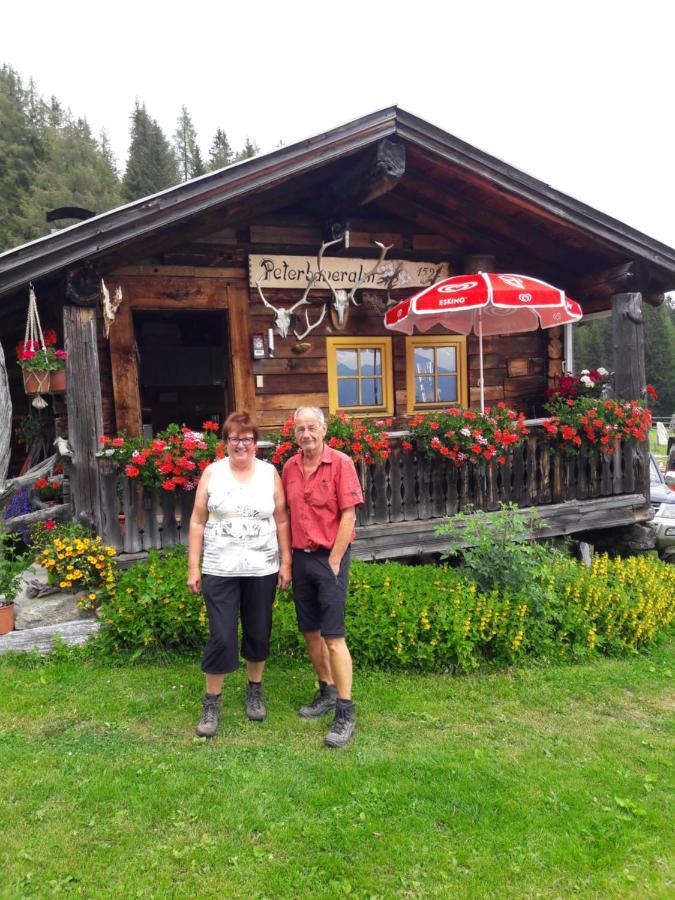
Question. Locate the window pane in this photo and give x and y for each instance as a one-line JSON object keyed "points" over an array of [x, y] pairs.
{"points": [[346, 362], [371, 391], [424, 360], [348, 392], [446, 360], [447, 389], [424, 389], [371, 363]]}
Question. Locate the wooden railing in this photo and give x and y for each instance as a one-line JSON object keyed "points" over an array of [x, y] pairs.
{"points": [[407, 487]]}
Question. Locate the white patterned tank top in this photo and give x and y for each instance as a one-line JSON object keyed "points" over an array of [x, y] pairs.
{"points": [[240, 536]]}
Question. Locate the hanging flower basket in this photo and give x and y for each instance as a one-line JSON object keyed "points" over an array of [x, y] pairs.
{"points": [[42, 364], [36, 382]]}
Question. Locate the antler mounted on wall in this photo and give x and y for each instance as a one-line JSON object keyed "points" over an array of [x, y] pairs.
{"points": [[282, 317], [285, 318], [341, 299]]}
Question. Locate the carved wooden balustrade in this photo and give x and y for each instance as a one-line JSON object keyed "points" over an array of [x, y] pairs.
{"points": [[407, 487]]}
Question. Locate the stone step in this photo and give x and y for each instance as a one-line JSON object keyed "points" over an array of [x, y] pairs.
{"points": [[41, 640]]}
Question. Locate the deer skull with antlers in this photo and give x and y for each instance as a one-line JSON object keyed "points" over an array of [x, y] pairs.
{"points": [[342, 298], [282, 317]]}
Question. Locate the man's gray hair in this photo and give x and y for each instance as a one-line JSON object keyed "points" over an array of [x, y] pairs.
{"points": [[314, 410]]}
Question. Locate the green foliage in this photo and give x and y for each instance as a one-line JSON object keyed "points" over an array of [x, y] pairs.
{"points": [[220, 154], [152, 608], [190, 163], [498, 549], [151, 165], [12, 564], [534, 603], [431, 618], [250, 149], [593, 347]]}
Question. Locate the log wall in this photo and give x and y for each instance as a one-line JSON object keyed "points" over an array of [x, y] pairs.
{"points": [[516, 367]]}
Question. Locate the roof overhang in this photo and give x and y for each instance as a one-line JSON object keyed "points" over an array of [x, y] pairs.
{"points": [[536, 202]]}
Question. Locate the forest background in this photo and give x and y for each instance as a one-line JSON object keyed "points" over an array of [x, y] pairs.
{"points": [[49, 158]]}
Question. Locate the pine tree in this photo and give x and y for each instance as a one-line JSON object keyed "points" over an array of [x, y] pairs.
{"points": [[151, 165], [198, 167], [220, 154], [250, 149], [107, 152], [185, 143], [73, 172], [660, 355], [21, 148]]}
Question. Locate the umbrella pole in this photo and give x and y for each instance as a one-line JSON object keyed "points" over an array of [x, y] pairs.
{"points": [[480, 359]]}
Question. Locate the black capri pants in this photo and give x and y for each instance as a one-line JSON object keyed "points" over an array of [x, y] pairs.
{"points": [[228, 598]]}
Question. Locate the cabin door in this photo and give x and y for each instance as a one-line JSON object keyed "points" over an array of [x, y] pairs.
{"points": [[180, 347], [182, 367]]}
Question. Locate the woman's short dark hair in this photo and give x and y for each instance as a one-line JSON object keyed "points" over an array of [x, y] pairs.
{"points": [[239, 421]]}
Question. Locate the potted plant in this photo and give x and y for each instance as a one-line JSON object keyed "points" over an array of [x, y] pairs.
{"points": [[48, 490], [43, 367], [12, 565]]}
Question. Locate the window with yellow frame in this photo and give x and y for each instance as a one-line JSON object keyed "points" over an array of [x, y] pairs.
{"points": [[360, 376], [436, 372]]}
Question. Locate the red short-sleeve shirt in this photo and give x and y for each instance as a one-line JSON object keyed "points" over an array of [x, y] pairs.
{"points": [[316, 504]]}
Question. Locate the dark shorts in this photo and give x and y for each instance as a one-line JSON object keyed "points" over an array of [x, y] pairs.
{"points": [[319, 596], [226, 599]]}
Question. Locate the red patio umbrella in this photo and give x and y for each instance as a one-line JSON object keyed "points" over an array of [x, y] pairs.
{"points": [[487, 304]]}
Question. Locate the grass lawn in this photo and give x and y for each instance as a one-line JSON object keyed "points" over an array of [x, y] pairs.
{"points": [[536, 782]]}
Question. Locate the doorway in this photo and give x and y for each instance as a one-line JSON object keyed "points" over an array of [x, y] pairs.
{"points": [[183, 367]]}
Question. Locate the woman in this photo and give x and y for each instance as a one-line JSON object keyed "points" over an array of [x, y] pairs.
{"points": [[240, 522]]}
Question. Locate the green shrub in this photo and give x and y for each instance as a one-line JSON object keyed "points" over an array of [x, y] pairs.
{"points": [[426, 618], [435, 618], [151, 607]]}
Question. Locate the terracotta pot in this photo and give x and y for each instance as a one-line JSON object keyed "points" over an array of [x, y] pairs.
{"points": [[57, 382], [6, 619], [35, 382]]}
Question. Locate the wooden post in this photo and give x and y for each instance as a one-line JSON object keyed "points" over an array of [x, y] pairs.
{"points": [[629, 366], [5, 419], [628, 346], [85, 417], [240, 347], [125, 373]]}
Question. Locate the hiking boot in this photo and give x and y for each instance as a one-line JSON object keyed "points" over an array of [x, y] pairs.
{"points": [[255, 702], [323, 702], [208, 724], [343, 725]]}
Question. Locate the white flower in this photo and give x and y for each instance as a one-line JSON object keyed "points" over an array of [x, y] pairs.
{"points": [[586, 380], [585, 372], [602, 372]]}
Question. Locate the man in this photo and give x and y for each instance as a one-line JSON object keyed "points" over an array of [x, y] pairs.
{"points": [[322, 493]]}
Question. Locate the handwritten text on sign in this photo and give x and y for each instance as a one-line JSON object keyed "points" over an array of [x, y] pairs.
{"points": [[293, 271]]}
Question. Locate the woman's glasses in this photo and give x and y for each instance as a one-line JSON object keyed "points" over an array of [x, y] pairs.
{"points": [[245, 442]]}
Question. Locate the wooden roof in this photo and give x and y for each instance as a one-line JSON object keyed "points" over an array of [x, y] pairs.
{"points": [[481, 204]]}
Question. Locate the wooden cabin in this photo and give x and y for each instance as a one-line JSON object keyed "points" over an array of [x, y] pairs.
{"points": [[207, 270]]}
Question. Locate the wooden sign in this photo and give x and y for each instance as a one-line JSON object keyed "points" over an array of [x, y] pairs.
{"points": [[293, 271]]}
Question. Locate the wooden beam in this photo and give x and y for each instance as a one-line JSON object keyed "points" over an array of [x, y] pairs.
{"points": [[370, 175], [398, 539], [626, 278], [241, 367], [125, 371], [85, 416]]}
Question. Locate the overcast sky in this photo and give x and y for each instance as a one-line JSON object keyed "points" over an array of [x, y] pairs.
{"points": [[579, 95]]}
